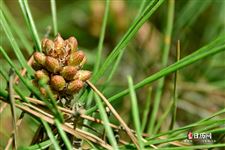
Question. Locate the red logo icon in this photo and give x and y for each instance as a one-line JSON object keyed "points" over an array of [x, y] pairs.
{"points": [[190, 135]]}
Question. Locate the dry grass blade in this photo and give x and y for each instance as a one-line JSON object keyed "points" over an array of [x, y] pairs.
{"points": [[128, 130], [66, 127]]}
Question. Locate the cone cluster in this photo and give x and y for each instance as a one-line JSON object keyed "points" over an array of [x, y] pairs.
{"points": [[60, 66]]}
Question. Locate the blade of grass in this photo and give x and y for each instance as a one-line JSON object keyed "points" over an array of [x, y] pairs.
{"points": [[15, 46], [50, 135], [63, 135], [30, 23], [174, 106], [165, 55], [146, 109], [162, 118], [115, 66], [207, 50], [142, 6], [16, 28], [3, 74], [190, 13], [139, 21], [102, 36], [54, 17], [105, 119], [3, 94], [39, 146], [135, 111]]}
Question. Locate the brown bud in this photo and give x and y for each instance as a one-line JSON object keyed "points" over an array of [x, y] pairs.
{"points": [[49, 46], [42, 75], [76, 58], [52, 64], [43, 43], [72, 43], [74, 86], [83, 61], [57, 82], [83, 75], [43, 91], [68, 72], [59, 42], [36, 66], [40, 58]]}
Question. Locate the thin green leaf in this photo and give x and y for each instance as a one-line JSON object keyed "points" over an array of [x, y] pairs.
{"points": [[3, 94], [105, 119], [15, 46], [54, 17], [135, 111], [163, 117], [39, 146], [165, 55], [50, 135], [30, 23], [102, 36], [146, 109], [63, 135], [16, 28], [190, 13], [174, 106]]}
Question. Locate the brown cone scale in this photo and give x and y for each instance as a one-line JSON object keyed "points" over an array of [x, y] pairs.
{"points": [[57, 82]]}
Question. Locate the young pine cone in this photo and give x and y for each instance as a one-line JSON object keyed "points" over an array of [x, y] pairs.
{"points": [[60, 66]]}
